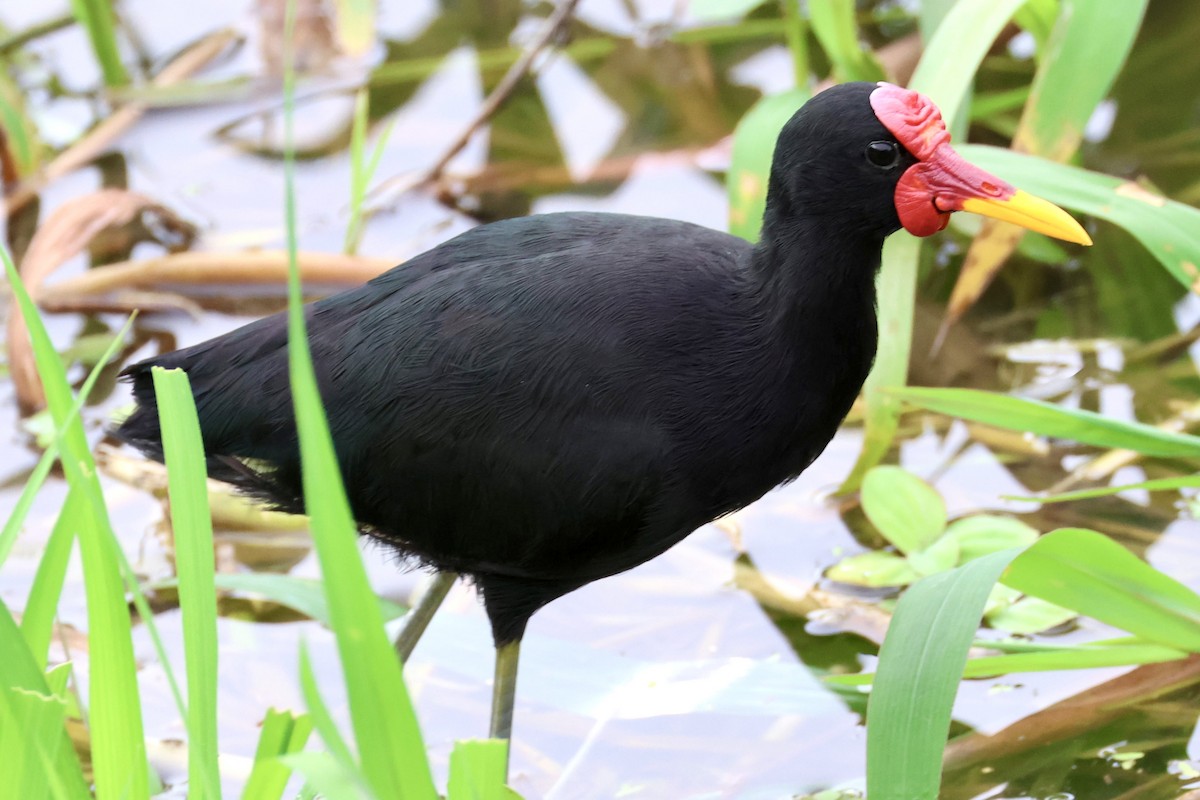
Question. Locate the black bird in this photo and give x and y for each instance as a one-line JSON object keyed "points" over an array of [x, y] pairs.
{"points": [[542, 402]]}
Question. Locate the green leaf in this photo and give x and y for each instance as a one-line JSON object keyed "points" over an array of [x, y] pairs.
{"points": [[920, 664], [477, 771], [118, 744], [1082, 59], [1037, 18], [32, 719], [1093, 575], [1086, 657], [962, 39], [982, 534], [874, 568], [750, 163], [907, 511], [1168, 229], [96, 18], [1157, 485], [1029, 615], [187, 480], [389, 742], [833, 22], [282, 733], [940, 556], [1047, 419]]}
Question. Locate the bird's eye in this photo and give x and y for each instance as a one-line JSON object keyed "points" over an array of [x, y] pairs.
{"points": [[884, 155]]}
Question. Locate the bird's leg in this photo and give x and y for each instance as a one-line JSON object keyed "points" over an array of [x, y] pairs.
{"points": [[417, 619], [504, 690]]}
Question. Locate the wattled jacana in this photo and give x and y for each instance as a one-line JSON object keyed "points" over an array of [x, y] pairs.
{"points": [[542, 402]]}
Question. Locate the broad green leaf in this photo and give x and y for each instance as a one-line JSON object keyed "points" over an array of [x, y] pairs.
{"points": [[1169, 230], [750, 163], [907, 511], [833, 22], [187, 477], [1029, 615], [282, 733], [477, 771], [940, 556], [982, 534], [1047, 419], [1093, 575], [920, 664], [1158, 485], [874, 568]]}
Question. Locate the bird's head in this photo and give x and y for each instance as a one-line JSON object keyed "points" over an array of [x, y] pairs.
{"points": [[877, 157]]}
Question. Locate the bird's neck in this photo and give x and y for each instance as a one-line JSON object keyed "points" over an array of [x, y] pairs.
{"points": [[807, 263]]}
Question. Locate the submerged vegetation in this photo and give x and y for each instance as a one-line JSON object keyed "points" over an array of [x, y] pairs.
{"points": [[1037, 397]]}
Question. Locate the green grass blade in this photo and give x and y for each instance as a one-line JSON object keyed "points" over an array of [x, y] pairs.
{"points": [[1085, 52], [327, 777], [1089, 573], [319, 714], [282, 733], [301, 594], [1047, 419], [187, 486], [750, 163], [962, 38], [32, 719], [389, 741], [1169, 230], [896, 288], [96, 17], [1157, 485], [1046, 658], [119, 749], [16, 520], [477, 768], [37, 623], [833, 23], [795, 31], [920, 664], [1074, 658]]}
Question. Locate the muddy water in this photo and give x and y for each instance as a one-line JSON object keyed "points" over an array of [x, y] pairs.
{"points": [[678, 678]]}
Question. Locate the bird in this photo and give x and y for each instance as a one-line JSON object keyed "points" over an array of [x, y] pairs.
{"points": [[542, 402]]}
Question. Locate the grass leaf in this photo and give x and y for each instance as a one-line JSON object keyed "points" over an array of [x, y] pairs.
{"points": [[118, 746], [187, 478], [920, 664], [1047, 419], [1089, 573], [750, 164], [282, 733]]}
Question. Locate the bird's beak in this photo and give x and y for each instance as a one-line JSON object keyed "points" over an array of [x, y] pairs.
{"points": [[942, 181]]}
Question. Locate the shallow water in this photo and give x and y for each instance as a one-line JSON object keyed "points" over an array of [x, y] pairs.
{"points": [[674, 679]]}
